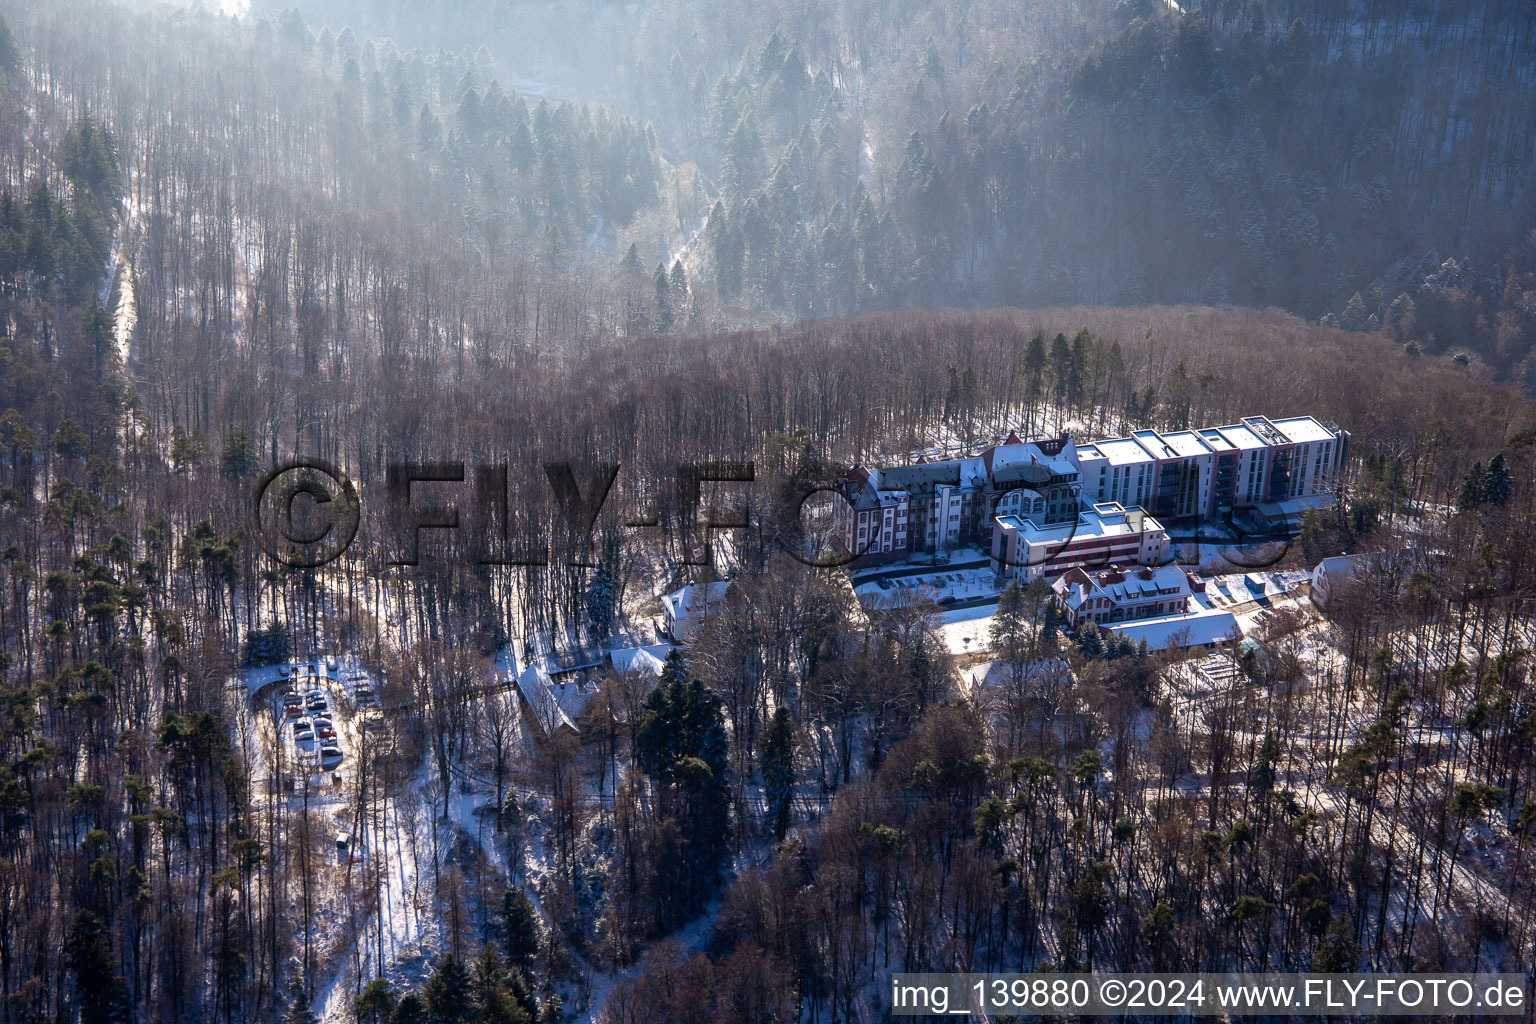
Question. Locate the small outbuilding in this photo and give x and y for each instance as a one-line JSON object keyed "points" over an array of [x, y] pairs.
{"points": [[686, 608], [1332, 573]]}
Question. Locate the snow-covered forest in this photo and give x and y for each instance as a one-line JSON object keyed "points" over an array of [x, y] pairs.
{"points": [[232, 237]]}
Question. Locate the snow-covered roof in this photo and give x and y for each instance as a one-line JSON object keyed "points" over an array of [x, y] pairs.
{"points": [[1019, 458], [1000, 673], [865, 488], [1205, 627], [1290, 509], [1241, 437], [1302, 429], [956, 584], [1215, 441], [924, 477], [543, 697], [1105, 520], [695, 599], [1121, 584], [1337, 566], [636, 659], [1187, 443], [1118, 451]]}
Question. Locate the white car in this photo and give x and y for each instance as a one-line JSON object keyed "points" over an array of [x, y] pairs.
{"points": [[304, 735], [330, 757]]}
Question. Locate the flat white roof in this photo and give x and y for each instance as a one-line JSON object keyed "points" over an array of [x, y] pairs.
{"points": [[1149, 445], [1242, 437], [1302, 429], [1212, 437], [1187, 443], [1091, 525], [1202, 627], [1153, 444], [1120, 451]]}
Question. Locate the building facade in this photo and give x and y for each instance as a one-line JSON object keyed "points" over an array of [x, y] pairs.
{"points": [[1105, 534], [1042, 507], [1123, 593], [936, 506], [1211, 473], [871, 522]]}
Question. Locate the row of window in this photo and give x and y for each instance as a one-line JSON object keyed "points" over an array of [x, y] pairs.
{"points": [[1143, 612]]}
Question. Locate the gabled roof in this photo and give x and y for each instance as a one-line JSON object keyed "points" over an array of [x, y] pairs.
{"points": [[695, 599], [1055, 456], [1339, 565], [636, 659], [1120, 584], [539, 690], [1022, 472]]}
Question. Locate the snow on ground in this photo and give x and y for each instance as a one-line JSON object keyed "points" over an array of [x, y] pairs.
{"points": [[968, 630], [953, 586]]}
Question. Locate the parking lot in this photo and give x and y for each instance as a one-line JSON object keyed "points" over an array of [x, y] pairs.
{"points": [[320, 708]]}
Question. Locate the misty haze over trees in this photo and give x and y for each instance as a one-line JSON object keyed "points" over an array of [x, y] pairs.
{"points": [[863, 156], [527, 233]]}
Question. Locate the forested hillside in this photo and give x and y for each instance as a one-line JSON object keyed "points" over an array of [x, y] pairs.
{"points": [[865, 156], [227, 242]]}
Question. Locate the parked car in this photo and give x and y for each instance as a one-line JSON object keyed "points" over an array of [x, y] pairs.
{"points": [[316, 704], [325, 731], [330, 757]]}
